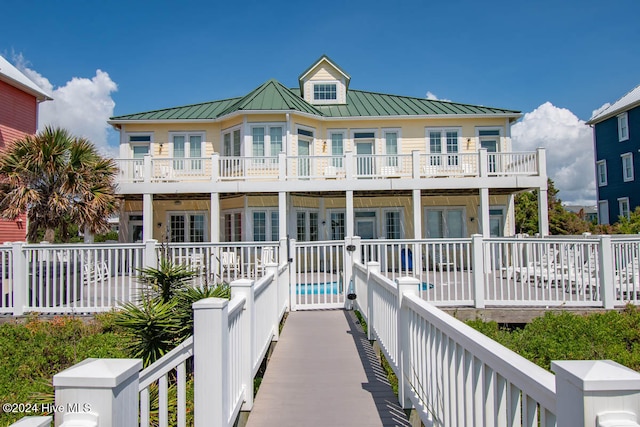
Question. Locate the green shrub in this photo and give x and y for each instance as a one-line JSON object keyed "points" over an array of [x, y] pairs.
{"points": [[31, 352], [567, 336]]}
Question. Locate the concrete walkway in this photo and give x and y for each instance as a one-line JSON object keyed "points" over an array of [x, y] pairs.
{"points": [[324, 372]]}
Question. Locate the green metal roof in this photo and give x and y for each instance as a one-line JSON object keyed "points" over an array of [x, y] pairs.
{"points": [[368, 104], [273, 96]]}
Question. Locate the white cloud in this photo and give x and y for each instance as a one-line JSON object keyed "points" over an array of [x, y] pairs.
{"points": [[81, 105], [433, 96], [569, 148]]}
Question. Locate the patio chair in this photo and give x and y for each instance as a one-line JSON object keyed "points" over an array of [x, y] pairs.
{"points": [[627, 281], [440, 259], [267, 256], [229, 263], [95, 271]]}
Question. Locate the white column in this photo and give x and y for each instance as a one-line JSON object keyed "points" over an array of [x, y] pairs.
{"points": [[484, 213], [107, 388], [282, 214], [543, 212], [147, 217], [511, 215], [594, 393], [214, 221], [349, 226], [417, 214]]}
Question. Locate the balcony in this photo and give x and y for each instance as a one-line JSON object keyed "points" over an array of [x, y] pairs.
{"points": [[332, 170]]}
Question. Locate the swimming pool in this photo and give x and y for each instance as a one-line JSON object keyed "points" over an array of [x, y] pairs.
{"points": [[325, 288]]}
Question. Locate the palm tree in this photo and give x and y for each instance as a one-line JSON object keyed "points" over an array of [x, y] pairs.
{"points": [[58, 179]]}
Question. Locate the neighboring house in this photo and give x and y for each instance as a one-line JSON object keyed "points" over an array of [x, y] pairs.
{"points": [[19, 100], [585, 213], [616, 135], [319, 162]]}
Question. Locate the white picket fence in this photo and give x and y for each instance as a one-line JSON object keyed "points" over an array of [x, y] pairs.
{"points": [[453, 375]]}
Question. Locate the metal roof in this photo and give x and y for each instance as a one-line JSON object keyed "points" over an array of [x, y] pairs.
{"points": [[15, 78], [273, 96], [628, 101]]}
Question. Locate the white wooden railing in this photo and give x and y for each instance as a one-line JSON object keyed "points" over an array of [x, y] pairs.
{"points": [[454, 375], [170, 369], [347, 166], [229, 342], [90, 278]]}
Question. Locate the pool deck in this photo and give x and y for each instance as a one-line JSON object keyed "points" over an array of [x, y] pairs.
{"points": [[324, 372]]}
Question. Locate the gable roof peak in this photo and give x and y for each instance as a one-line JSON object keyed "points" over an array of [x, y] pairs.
{"points": [[325, 58]]}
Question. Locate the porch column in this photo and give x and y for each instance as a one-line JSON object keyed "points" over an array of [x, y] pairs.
{"points": [[147, 217], [214, 221], [511, 215], [484, 213], [417, 216], [282, 215], [349, 227], [543, 212]]}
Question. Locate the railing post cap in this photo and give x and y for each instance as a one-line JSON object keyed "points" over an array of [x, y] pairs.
{"points": [[97, 373], [373, 264], [208, 303], [407, 281], [597, 375], [242, 283]]}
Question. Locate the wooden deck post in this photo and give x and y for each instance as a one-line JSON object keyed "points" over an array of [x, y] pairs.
{"points": [[100, 390], [594, 393], [244, 288], [406, 286], [210, 362]]}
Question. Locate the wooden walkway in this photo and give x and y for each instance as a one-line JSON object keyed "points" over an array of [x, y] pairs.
{"points": [[324, 372]]}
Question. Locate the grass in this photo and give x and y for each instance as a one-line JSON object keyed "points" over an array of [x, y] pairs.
{"points": [[34, 350]]}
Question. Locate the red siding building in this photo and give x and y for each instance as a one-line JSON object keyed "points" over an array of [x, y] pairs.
{"points": [[19, 99]]}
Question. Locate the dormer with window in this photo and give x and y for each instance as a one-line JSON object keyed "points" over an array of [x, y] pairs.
{"points": [[324, 83]]}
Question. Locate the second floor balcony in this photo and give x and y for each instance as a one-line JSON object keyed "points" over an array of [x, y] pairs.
{"points": [[347, 167]]}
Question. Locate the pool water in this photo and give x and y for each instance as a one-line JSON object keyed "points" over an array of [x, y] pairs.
{"points": [[328, 288], [333, 288]]}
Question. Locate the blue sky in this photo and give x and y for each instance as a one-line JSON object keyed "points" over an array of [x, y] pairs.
{"points": [[574, 55]]}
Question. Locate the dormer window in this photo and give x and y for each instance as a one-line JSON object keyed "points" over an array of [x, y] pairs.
{"points": [[325, 91]]}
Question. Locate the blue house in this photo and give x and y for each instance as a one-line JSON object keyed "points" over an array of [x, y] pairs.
{"points": [[617, 146]]}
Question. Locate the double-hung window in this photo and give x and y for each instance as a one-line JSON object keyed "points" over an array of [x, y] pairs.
{"points": [[623, 207], [623, 127], [627, 167], [187, 146], [602, 173], [189, 227]]}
